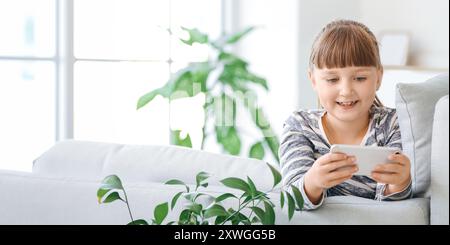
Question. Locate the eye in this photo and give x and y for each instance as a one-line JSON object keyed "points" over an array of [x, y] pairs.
{"points": [[361, 79], [332, 80]]}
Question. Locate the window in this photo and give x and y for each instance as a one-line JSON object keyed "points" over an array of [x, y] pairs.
{"points": [[121, 50], [27, 81], [124, 49]]}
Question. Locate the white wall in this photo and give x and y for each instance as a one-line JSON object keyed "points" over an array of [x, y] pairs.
{"points": [[271, 51], [313, 15], [427, 22]]}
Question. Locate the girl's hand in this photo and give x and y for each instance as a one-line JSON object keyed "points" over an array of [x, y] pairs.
{"points": [[327, 171], [395, 174]]}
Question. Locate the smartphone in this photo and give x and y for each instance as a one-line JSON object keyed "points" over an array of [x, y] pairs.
{"points": [[367, 157]]}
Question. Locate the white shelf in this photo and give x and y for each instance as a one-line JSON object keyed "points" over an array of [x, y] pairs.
{"points": [[403, 74]]}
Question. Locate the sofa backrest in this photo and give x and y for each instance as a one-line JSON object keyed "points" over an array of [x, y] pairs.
{"points": [[146, 163], [439, 211], [415, 104]]}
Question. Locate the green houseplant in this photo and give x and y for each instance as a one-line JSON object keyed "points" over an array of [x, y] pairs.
{"points": [[253, 206], [233, 86]]}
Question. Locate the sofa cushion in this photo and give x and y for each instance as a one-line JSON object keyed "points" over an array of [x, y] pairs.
{"points": [[48, 200], [146, 163], [350, 210], [415, 105]]}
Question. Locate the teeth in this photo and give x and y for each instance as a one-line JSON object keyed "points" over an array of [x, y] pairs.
{"points": [[347, 103]]}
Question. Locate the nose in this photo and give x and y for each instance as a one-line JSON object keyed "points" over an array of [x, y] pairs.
{"points": [[346, 89]]}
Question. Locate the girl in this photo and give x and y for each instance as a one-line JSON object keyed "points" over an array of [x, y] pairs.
{"points": [[345, 71]]}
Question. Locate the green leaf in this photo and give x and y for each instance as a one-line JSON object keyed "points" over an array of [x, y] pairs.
{"points": [[177, 182], [174, 199], [247, 198], [189, 81], [232, 61], [138, 222], [255, 220], [236, 183], [281, 199], [200, 72], [195, 36], [112, 197], [252, 187], [193, 196], [263, 124], [195, 207], [269, 217], [259, 212], [201, 177], [229, 139], [190, 196], [291, 205], [257, 151], [225, 196], [298, 197], [260, 119], [183, 85], [176, 139], [273, 143], [215, 210], [220, 219], [100, 193], [161, 212], [238, 217], [248, 76], [242, 218], [276, 175], [236, 37], [111, 182], [147, 98], [184, 216]]}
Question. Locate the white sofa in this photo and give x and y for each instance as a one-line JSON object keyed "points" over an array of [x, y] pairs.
{"points": [[62, 187]]}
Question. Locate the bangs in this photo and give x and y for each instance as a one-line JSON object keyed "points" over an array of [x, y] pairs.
{"points": [[345, 46]]}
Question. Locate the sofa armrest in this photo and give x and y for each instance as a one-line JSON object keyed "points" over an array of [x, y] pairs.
{"points": [[439, 203]]}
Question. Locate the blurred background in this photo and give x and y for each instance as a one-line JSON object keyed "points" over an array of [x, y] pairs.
{"points": [[75, 69]]}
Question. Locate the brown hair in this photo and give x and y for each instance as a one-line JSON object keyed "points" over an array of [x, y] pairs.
{"points": [[344, 43]]}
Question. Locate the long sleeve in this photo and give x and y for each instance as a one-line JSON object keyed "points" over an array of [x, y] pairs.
{"points": [[392, 130], [401, 195], [296, 158]]}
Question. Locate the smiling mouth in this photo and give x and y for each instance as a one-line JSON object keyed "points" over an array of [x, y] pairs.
{"points": [[347, 104]]}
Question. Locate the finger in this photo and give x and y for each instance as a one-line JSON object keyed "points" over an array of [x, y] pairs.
{"points": [[400, 158], [385, 178], [351, 162], [332, 157], [339, 181], [389, 168], [341, 173]]}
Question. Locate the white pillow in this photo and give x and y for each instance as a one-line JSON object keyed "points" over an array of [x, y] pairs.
{"points": [[415, 105]]}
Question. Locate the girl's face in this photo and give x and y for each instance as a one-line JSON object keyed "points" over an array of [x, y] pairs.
{"points": [[346, 93]]}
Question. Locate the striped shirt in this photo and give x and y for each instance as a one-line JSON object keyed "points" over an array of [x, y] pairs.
{"points": [[303, 141]]}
